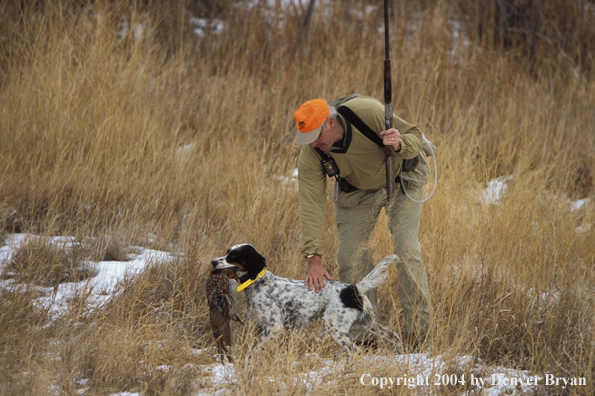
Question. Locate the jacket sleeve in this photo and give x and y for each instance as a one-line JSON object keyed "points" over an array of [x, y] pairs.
{"points": [[312, 192], [411, 140], [371, 111]]}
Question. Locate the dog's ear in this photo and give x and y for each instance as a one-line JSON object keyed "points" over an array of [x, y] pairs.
{"points": [[254, 261]]}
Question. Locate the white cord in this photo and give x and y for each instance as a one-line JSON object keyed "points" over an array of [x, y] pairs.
{"points": [[435, 175]]}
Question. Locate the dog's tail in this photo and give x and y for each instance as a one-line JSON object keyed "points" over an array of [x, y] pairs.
{"points": [[375, 278]]}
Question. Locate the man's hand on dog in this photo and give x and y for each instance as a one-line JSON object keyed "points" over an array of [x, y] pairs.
{"points": [[315, 274]]}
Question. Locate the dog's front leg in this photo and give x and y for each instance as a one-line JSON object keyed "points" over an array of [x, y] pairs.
{"points": [[265, 332], [270, 331]]}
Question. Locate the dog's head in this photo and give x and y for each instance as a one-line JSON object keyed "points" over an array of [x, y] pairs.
{"points": [[244, 257]]}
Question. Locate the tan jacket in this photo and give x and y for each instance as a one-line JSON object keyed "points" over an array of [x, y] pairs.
{"points": [[361, 162]]}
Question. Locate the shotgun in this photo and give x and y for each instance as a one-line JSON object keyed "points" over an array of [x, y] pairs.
{"points": [[388, 111]]}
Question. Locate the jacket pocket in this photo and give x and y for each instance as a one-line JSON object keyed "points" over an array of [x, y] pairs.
{"points": [[420, 176]]}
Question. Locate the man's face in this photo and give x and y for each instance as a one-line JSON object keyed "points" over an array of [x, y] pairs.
{"points": [[327, 136]]}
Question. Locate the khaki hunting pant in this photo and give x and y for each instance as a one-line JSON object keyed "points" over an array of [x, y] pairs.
{"points": [[356, 215]]}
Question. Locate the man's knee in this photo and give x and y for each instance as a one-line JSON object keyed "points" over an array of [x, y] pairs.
{"points": [[354, 264]]}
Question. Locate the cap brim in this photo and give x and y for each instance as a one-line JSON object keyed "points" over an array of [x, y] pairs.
{"points": [[303, 138]]}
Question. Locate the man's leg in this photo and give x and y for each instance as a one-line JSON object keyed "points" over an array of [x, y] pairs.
{"points": [[354, 254], [404, 219]]}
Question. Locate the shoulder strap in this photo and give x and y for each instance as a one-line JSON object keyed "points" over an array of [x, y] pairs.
{"points": [[324, 156], [332, 170], [328, 163], [350, 116]]}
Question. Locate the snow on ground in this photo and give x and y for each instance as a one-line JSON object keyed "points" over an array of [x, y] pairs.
{"points": [[494, 192], [576, 205], [497, 188], [291, 181], [202, 26], [420, 373], [424, 373], [103, 286]]}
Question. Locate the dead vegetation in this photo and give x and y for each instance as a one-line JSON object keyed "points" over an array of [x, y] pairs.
{"points": [[42, 263], [158, 137]]}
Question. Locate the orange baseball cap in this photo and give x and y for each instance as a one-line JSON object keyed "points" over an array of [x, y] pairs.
{"points": [[309, 118]]}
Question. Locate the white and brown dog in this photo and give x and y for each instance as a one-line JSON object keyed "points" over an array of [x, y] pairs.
{"points": [[276, 303]]}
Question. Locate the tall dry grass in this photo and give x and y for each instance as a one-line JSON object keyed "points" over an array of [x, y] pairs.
{"points": [[180, 143]]}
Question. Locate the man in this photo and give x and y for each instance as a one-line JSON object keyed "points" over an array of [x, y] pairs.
{"points": [[331, 139]]}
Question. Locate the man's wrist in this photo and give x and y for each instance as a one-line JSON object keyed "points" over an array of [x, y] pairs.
{"points": [[313, 260]]}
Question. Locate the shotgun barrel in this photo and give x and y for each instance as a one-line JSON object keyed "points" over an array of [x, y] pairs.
{"points": [[388, 110]]}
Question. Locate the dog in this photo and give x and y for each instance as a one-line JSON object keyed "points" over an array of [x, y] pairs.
{"points": [[276, 303]]}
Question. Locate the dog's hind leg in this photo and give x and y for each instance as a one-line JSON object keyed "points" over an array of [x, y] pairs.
{"points": [[387, 335], [343, 338], [338, 321]]}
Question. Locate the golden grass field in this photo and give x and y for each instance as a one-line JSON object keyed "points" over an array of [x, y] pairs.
{"points": [[155, 137]]}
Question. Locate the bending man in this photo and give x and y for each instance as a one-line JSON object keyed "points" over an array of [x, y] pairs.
{"points": [[345, 140]]}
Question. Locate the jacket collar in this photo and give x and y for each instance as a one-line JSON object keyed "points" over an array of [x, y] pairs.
{"points": [[346, 137]]}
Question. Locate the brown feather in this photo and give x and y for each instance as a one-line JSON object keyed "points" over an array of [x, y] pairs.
{"points": [[221, 295]]}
